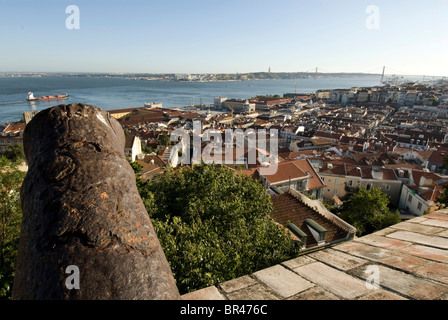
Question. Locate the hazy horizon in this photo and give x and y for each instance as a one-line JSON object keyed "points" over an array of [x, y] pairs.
{"points": [[427, 77]]}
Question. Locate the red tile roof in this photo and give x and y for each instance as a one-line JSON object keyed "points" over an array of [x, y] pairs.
{"points": [[288, 208], [285, 171], [438, 156], [14, 128], [295, 170]]}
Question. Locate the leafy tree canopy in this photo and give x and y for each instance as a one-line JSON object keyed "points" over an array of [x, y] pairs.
{"points": [[14, 152], [368, 211], [213, 225], [10, 220]]}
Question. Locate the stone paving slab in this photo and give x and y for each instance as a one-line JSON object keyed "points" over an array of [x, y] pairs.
{"points": [[416, 227], [365, 251], [436, 223], [283, 281], [429, 253], [332, 280], [237, 284], [434, 270], [298, 262], [432, 241], [383, 242], [418, 219], [383, 232], [404, 262], [338, 259], [314, 293], [209, 293], [443, 234], [405, 284], [381, 294], [257, 291], [438, 215]]}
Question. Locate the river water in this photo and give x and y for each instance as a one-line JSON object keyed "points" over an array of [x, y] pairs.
{"points": [[117, 93]]}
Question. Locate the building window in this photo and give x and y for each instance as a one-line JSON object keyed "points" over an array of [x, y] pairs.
{"points": [[335, 191], [419, 206], [337, 181], [350, 183], [410, 198], [388, 187]]}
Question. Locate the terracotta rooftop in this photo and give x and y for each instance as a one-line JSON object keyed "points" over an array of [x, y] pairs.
{"points": [[286, 170], [409, 261], [158, 161], [295, 154], [437, 156], [294, 170], [13, 128], [155, 115], [149, 170], [288, 208]]}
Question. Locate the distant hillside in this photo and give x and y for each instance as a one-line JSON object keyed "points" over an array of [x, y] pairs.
{"points": [[195, 77], [285, 75]]}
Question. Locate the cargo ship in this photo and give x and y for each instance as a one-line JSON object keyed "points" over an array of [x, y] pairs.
{"points": [[31, 97]]}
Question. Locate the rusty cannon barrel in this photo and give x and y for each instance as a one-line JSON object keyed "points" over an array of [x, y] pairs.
{"points": [[85, 231]]}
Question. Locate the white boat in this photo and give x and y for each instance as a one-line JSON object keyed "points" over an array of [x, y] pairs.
{"points": [[153, 104]]}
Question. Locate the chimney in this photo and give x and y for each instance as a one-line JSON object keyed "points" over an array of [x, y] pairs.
{"points": [[425, 181]]}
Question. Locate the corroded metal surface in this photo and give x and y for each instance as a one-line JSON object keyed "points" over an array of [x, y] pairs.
{"points": [[81, 208]]}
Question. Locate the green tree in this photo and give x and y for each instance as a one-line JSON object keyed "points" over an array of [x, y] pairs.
{"points": [[147, 149], [368, 211], [10, 221], [14, 152], [435, 101], [164, 140], [213, 225]]}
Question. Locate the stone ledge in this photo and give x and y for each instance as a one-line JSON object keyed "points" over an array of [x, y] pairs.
{"points": [[411, 259]]}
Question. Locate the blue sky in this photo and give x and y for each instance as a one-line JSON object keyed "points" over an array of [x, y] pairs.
{"points": [[214, 36]]}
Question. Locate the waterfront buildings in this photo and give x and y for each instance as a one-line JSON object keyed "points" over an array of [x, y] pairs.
{"points": [[352, 137]]}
